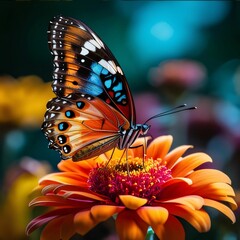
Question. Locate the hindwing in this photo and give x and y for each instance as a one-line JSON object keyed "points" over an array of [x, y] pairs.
{"points": [[82, 126]]}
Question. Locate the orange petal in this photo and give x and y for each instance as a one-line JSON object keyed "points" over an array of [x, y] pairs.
{"points": [[60, 228], [174, 155], [174, 188], [214, 190], [53, 200], [189, 163], [81, 167], [140, 141], [192, 201], [130, 226], [47, 217], [84, 222], [153, 215], [233, 205], [103, 212], [222, 208], [65, 178], [159, 147], [91, 196], [199, 219], [171, 230], [138, 146], [206, 176], [132, 202], [177, 180], [231, 202]]}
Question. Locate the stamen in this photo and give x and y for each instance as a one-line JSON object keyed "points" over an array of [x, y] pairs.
{"points": [[129, 178]]}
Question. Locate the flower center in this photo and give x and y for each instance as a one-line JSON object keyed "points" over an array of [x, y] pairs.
{"points": [[114, 179]]}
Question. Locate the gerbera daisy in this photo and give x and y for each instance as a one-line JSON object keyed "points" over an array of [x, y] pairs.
{"points": [[169, 186]]}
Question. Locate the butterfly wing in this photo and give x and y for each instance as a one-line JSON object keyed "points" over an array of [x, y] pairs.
{"points": [[82, 126], [84, 64]]}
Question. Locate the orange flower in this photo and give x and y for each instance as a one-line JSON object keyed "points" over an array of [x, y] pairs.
{"points": [[168, 187]]}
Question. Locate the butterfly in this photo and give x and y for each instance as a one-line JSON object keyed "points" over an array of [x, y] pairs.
{"points": [[93, 110]]}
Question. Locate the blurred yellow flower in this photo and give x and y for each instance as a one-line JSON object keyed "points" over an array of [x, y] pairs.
{"points": [[169, 186], [19, 182], [23, 100]]}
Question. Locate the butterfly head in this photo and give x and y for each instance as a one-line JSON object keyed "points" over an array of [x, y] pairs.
{"points": [[143, 128]]}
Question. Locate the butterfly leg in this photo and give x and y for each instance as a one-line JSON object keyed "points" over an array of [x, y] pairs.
{"points": [[144, 147], [125, 151], [127, 162], [111, 156]]}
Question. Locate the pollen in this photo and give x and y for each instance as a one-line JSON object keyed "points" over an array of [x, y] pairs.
{"points": [[129, 178]]}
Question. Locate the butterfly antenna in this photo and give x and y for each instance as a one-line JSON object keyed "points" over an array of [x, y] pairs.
{"points": [[179, 108]]}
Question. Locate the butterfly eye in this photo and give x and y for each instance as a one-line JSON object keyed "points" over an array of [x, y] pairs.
{"points": [[80, 104], [69, 114], [63, 126]]}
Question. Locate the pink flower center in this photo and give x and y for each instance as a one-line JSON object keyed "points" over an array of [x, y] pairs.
{"points": [[145, 182]]}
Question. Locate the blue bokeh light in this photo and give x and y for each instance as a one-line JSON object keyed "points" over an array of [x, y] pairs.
{"points": [[161, 30]]}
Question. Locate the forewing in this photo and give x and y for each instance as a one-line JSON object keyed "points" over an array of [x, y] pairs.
{"points": [[82, 126], [84, 64]]}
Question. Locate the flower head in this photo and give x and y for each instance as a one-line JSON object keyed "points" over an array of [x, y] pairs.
{"points": [[155, 191]]}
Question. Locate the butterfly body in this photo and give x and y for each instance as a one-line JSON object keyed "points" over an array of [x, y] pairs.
{"points": [[93, 111]]}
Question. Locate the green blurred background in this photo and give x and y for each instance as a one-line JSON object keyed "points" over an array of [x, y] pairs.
{"points": [[172, 52]]}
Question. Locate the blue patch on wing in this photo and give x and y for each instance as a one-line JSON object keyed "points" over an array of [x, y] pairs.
{"points": [[108, 83], [94, 84], [123, 97], [117, 94], [118, 87], [102, 78], [98, 69], [105, 71]]}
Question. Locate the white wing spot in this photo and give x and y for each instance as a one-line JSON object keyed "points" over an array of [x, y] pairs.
{"points": [[52, 115], [83, 28], [108, 65], [98, 40], [90, 46], [95, 43], [119, 70], [84, 51], [112, 63]]}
